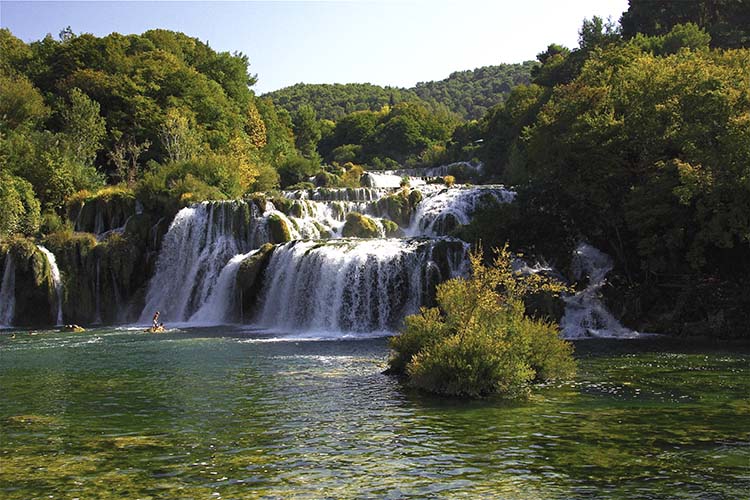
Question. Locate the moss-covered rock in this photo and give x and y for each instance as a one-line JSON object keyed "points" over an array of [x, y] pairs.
{"points": [[74, 254], [102, 278], [250, 279], [107, 209], [415, 197], [360, 226], [259, 200], [35, 296], [278, 230], [392, 230], [399, 206], [324, 233], [283, 205]]}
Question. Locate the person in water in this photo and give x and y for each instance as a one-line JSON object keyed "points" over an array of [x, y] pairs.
{"points": [[155, 322]]}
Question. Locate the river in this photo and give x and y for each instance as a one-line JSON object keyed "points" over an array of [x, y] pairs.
{"points": [[229, 413]]}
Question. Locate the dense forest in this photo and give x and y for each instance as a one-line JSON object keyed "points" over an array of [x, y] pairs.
{"points": [[637, 140], [466, 93]]}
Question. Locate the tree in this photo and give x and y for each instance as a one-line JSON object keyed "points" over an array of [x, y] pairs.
{"points": [[83, 127], [126, 156], [178, 136], [306, 131]]}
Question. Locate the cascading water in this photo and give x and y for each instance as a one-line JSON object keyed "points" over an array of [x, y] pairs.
{"points": [[444, 208], [200, 241], [585, 314], [338, 194], [391, 179], [220, 305], [443, 170], [354, 285], [56, 281], [8, 292]]}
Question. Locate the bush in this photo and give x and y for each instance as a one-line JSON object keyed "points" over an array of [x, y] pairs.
{"points": [[208, 177], [480, 342], [297, 169]]}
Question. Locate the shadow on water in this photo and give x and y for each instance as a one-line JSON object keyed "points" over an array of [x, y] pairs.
{"points": [[231, 413]]}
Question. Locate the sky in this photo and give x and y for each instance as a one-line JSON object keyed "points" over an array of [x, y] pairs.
{"points": [[386, 42]]}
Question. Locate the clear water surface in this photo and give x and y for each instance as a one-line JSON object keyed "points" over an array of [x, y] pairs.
{"points": [[222, 413]]}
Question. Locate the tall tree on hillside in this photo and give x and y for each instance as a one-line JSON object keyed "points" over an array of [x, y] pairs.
{"points": [[307, 131]]}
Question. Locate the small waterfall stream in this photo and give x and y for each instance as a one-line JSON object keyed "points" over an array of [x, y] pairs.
{"points": [[446, 208], [56, 281], [8, 292], [218, 307], [585, 313]]}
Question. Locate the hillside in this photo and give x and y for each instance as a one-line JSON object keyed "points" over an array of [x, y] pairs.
{"points": [[334, 101], [470, 93], [467, 93]]}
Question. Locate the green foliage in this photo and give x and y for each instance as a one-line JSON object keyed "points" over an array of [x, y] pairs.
{"points": [[296, 169], [307, 131], [83, 127], [43, 158], [208, 177], [20, 209], [471, 93], [479, 342], [20, 103], [726, 21]]}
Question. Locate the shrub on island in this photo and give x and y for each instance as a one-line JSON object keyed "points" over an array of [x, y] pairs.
{"points": [[479, 342]]}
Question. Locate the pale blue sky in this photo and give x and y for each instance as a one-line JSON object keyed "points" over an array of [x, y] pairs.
{"points": [[386, 42]]}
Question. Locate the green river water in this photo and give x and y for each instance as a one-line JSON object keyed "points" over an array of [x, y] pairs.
{"points": [[221, 413]]}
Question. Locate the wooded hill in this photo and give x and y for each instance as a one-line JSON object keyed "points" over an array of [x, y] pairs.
{"points": [[467, 93]]}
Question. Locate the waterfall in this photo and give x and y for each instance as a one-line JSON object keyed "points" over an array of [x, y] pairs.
{"points": [[444, 208], [362, 194], [200, 241], [390, 179], [585, 314], [354, 285], [8, 292], [220, 305], [56, 281], [98, 293], [443, 170]]}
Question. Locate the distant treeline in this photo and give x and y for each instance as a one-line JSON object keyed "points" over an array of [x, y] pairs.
{"points": [[466, 93]]}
